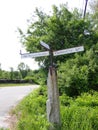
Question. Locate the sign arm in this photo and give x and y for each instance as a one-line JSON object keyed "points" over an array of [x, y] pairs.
{"points": [[45, 45]]}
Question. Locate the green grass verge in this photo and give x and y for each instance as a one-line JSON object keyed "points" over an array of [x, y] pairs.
{"points": [[76, 114], [13, 84], [31, 112], [3, 129]]}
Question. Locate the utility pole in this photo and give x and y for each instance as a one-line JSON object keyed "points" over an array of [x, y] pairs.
{"points": [[85, 8]]}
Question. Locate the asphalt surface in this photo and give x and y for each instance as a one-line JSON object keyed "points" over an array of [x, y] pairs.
{"points": [[9, 97]]}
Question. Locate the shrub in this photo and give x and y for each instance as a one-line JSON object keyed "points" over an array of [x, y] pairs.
{"points": [[79, 118], [79, 74], [88, 99], [80, 113]]}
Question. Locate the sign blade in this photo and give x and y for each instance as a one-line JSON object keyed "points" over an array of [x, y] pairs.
{"points": [[34, 55], [45, 45], [68, 51]]}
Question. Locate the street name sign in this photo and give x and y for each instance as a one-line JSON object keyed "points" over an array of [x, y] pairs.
{"points": [[55, 53], [34, 55], [68, 51], [45, 45]]}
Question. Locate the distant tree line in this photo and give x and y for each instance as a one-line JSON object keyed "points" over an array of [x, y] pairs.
{"points": [[21, 75]]}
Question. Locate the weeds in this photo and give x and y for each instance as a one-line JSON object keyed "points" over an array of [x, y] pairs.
{"points": [[76, 114]]}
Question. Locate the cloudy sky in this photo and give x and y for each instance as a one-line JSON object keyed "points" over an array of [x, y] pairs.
{"points": [[13, 14]]}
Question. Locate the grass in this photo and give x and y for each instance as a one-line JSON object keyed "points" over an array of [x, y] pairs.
{"points": [[4, 129], [13, 84], [31, 112], [80, 113]]}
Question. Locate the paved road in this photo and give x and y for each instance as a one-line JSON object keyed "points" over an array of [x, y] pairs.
{"points": [[9, 97]]}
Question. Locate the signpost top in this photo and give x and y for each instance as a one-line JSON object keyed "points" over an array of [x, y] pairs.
{"points": [[34, 55], [68, 51], [45, 45], [51, 53]]}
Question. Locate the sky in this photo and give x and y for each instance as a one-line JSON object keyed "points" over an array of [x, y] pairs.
{"points": [[14, 14]]}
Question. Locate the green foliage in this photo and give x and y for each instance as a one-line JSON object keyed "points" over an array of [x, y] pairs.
{"points": [[23, 69], [33, 112], [65, 100], [88, 99], [4, 75], [79, 74], [21, 73], [79, 118], [36, 76], [81, 114], [4, 129]]}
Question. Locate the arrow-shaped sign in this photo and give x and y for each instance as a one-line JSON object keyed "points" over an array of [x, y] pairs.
{"points": [[45, 45], [34, 55], [68, 51]]}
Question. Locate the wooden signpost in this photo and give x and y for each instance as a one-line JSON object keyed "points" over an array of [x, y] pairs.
{"points": [[53, 107]]}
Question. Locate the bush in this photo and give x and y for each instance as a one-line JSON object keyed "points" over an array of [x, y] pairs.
{"points": [[88, 99], [30, 79], [80, 113], [79, 118], [79, 74]]}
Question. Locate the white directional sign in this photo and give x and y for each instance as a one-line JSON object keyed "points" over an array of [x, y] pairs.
{"points": [[44, 45], [33, 55], [55, 53], [68, 51]]}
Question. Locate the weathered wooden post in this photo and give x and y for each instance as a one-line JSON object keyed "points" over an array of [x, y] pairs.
{"points": [[53, 106]]}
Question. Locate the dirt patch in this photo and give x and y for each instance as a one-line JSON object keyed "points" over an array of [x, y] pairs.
{"points": [[11, 121]]}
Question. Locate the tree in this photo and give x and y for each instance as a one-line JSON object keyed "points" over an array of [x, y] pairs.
{"points": [[24, 69], [0, 71], [0, 66], [17, 75], [36, 76], [11, 73], [5, 74], [94, 8], [79, 74], [62, 29]]}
